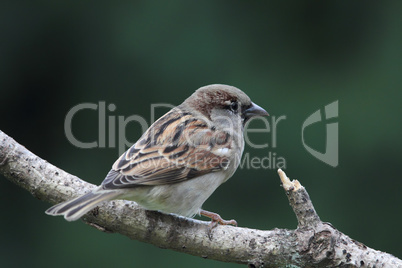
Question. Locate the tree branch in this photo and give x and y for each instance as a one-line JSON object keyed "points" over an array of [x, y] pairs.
{"points": [[313, 244]]}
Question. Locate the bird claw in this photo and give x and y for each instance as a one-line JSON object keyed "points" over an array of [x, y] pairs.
{"points": [[216, 219]]}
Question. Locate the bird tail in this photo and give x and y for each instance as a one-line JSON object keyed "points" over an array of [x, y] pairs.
{"points": [[74, 209]]}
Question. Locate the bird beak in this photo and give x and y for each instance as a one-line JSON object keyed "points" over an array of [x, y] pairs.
{"points": [[253, 111]]}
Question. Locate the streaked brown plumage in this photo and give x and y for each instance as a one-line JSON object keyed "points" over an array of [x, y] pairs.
{"points": [[166, 156], [180, 160]]}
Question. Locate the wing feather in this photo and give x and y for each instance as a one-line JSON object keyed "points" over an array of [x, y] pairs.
{"points": [[175, 148]]}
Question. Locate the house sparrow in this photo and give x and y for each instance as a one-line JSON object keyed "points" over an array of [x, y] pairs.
{"points": [[180, 160]]}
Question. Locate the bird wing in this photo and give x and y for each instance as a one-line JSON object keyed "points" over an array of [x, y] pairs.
{"points": [[175, 148]]}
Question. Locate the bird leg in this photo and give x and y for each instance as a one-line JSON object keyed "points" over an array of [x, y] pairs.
{"points": [[216, 219]]}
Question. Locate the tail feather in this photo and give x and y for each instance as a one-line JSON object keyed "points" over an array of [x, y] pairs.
{"points": [[74, 209]]}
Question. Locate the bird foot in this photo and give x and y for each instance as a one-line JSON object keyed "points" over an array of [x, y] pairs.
{"points": [[216, 219]]}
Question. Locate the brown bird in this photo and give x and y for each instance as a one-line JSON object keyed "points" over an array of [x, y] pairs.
{"points": [[180, 160]]}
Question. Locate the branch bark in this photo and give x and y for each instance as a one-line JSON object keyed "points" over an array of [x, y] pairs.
{"points": [[313, 244]]}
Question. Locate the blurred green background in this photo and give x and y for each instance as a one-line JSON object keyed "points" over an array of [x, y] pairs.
{"points": [[292, 58]]}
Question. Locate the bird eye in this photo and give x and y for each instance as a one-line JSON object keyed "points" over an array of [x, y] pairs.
{"points": [[234, 106]]}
